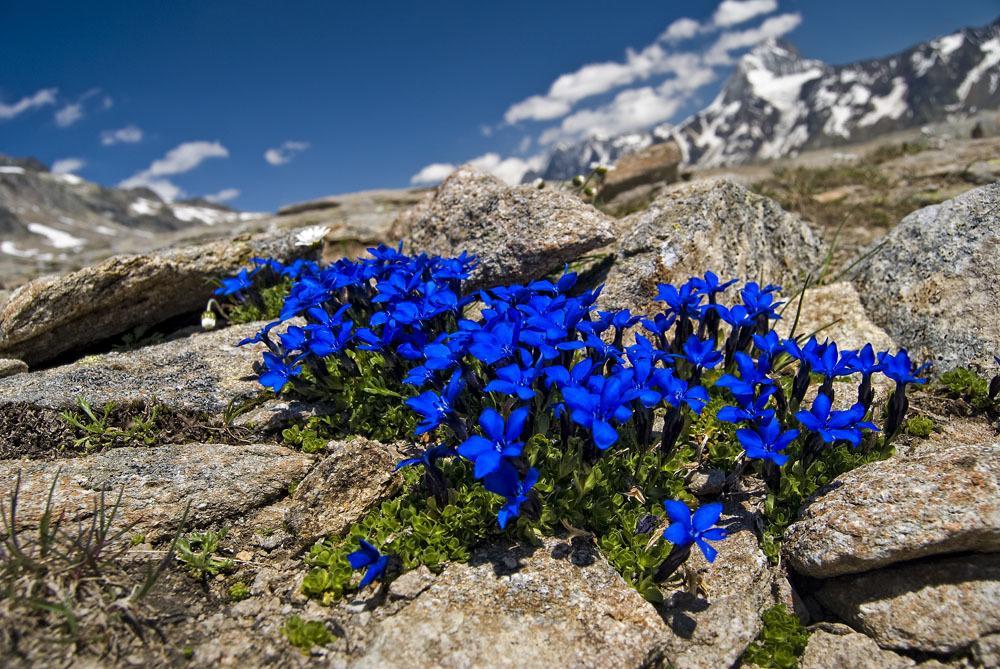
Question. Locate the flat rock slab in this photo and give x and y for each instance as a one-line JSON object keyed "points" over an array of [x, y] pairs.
{"points": [[931, 606], [714, 629], [197, 375], [53, 315], [900, 509], [220, 481], [521, 607], [519, 233], [713, 225], [356, 476], [849, 651], [935, 285]]}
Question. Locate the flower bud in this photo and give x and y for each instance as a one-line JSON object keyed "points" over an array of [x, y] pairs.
{"points": [[578, 180], [589, 191], [208, 320]]}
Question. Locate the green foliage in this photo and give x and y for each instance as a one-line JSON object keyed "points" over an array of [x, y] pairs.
{"points": [[312, 437], [965, 384], [197, 550], [781, 641], [261, 304], [719, 438], [367, 398], [413, 527], [798, 482], [100, 429], [304, 634], [239, 591], [920, 426]]}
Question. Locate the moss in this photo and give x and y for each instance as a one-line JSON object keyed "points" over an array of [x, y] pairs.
{"points": [[263, 304], [781, 641], [920, 426], [239, 591], [304, 634], [967, 385]]}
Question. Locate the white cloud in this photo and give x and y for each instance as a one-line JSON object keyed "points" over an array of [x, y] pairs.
{"points": [[41, 98], [180, 159], [732, 12], [284, 153], [632, 109], [510, 170], [130, 134], [432, 174], [69, 115], [681, 29], [537, 108], [776, 26], [68, 165], [224, 195]]}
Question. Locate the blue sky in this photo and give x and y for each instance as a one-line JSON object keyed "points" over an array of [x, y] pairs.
{"points": [[267, 103]]}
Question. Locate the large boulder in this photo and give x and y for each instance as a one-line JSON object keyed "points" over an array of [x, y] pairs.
{"points": [[53, 315], [656, 164], [834, 312], [930, 606], [220, 481], [707, 225], [935, 284], [521, 607], [353, 479], [519, 233], [941, 501], [196, 377]]}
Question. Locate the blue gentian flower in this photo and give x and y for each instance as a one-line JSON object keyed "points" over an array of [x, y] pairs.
{"points": [[235, 284], [701, 354], [594, 408], [709, 286], [677, 391], [687, 528], [684, 302], [899, 368], [501, 440], [515, 380], [276, 372], [753, 410], [744, 387], [435, 409], [760, 301], [498, 343], [766, 442], [865, 362], [834, 426], [368, 556], [505, 482]]}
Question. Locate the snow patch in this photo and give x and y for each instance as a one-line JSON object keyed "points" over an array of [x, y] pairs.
{"points": [[992, 58], [948, 44], [891, 106], [70, 179], [922, 62], [57, 238], [781, 92], [145, 207], [11, 169], [105, 230], [188, 214]]}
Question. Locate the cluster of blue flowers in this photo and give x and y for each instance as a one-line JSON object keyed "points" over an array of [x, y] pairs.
{"points": [[543, 358]]}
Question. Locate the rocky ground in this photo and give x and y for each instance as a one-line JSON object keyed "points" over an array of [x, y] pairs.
{"points": [[893, 564]]}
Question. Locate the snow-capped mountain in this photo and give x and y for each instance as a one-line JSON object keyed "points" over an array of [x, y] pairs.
{"points": [[49, 221], [777, 103]]}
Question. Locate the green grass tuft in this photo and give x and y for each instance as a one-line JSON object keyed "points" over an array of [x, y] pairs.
{"points": [[781, 641]]}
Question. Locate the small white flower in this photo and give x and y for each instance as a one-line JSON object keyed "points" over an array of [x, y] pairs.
{"points": [[312, 235], [207, 320]]}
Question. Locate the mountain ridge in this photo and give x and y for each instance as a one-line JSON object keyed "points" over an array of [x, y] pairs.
{"points": [[777, 103]]}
